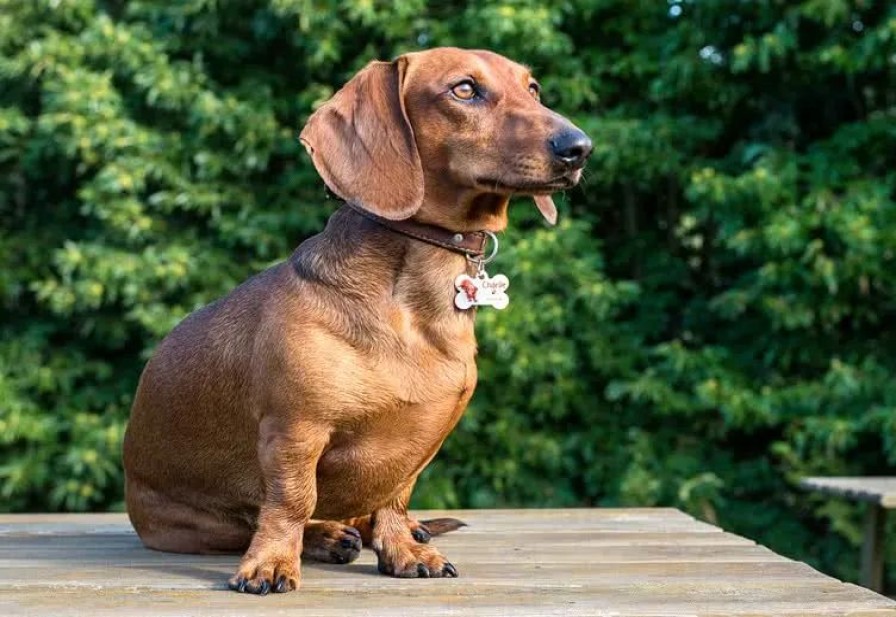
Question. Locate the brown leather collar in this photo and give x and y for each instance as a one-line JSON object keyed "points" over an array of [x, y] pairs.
{"points": [[469, 244]]}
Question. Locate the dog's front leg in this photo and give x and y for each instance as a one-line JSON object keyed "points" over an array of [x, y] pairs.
{"points": [[398, 552], [289, 464]]}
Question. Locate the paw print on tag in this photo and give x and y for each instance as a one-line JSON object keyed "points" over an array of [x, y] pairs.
{"points": [[481, 290]]}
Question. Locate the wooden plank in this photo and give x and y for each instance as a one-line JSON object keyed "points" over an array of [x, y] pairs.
{"points": [[567, 562], [92, 543], [880, 494], [440, 597], [879, 490], [133, 575], [486, 521], [872, 569]]}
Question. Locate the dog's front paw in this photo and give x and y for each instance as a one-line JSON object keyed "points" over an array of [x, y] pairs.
{"points": [[412, 560], [331, 542], [263, 575]]}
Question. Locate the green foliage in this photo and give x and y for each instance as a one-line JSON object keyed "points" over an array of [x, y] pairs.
{"points": [[709, 323]]}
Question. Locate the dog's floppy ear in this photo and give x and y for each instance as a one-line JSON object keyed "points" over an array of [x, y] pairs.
{"points": [[363, 145]]}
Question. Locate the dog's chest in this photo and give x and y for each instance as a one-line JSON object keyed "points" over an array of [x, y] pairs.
{"points": [[391, 359], [400, 407], [409, 390]]}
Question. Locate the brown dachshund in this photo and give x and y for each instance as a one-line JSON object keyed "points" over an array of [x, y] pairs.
{"points": [[318, 390]]}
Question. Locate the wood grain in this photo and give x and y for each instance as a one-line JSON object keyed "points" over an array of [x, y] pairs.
{"points": [[610, 562], [880, 490]]}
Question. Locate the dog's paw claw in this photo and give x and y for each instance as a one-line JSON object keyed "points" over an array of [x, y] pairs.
{"points": [[421, 534], [383, 568], [338, 558], [282, 585], [413, 560], [261, 577], [237, 583]]}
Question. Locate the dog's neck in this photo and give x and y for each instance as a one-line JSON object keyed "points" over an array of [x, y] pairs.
{"points": [[465, 210], [358, 258]]}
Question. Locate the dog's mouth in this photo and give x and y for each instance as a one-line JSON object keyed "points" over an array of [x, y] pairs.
{"points": [[531, 187]]}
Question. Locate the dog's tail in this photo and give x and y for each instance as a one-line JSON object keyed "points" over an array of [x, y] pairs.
{"points": [[438, 526], [425, 530]]}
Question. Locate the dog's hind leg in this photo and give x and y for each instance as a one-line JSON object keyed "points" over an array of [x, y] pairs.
{"points": [[331, 542], [165, 524]]}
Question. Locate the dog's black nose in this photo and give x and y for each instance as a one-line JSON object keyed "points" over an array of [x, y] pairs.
{"points": [[571, 147]]}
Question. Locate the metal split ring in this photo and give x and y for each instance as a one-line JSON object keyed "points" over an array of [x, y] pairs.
{"points": [[481, 261]]}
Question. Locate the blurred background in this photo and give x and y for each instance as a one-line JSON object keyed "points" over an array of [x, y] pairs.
{"points": [[712, 319]]}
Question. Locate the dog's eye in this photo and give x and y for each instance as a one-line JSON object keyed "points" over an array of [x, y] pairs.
{"points": [[465, 90], [535, 91]]}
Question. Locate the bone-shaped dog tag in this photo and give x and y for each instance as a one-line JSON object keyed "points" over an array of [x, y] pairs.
{"points": [[481, 290]]}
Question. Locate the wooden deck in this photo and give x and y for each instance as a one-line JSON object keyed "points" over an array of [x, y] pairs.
{"points": [[610, 562], [880, 495], [877, 490]]}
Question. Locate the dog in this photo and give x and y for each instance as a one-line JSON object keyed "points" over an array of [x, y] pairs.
{"points": [[293, 416]]}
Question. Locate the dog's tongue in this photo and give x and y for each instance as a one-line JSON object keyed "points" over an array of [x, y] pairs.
{"points": [[547, 208]]}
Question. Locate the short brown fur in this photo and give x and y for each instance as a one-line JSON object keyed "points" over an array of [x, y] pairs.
{"points": [[318, 390]]}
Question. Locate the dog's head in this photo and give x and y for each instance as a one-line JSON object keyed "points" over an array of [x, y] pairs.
{"points": [[445, 134]]}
